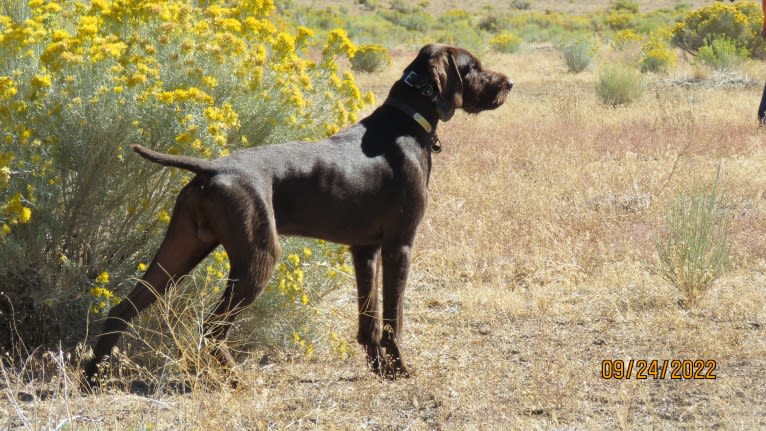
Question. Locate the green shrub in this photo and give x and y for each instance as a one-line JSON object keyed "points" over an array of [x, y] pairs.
{"points": [[618, 84], [721, 54], [463, 34], [577, 55], [79, 211], [369, 5], [630, 6], [372, 28], [325, 18], [407, 7], [454, 15], [419, 22], [370, 58], [520, 4], [456, 27], [694, 249], [505, 42], [12, 8]]}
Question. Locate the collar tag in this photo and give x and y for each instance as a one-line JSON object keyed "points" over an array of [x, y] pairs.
{"points": [[436, 145], [422, 121]]}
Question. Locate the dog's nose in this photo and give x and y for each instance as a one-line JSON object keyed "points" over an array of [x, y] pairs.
{"points": [[510, 84]]}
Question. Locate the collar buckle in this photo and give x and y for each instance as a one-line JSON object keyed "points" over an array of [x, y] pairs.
{"points": [[418, 82], [412, 79]]}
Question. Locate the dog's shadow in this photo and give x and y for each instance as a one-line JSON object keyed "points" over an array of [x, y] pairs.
{"points": [[180, 387], [134, 387], [144, 389]]}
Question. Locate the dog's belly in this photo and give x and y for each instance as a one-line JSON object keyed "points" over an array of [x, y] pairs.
{"points": [[353, 225], [359, 221], [347, 236]]}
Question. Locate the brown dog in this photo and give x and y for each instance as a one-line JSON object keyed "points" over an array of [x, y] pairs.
{"points": [[365, 187]]}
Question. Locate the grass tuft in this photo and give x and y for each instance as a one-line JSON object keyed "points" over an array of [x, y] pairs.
{"points": [[695, 248]]}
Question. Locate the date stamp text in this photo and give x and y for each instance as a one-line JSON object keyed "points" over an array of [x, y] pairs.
{"points": [[675, 369]]}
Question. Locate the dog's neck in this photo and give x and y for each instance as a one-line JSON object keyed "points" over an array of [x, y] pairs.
{"points": [[414, 95], [434, 145], [420, 94]]}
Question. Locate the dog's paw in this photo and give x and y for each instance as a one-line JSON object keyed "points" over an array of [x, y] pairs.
{"points": [[88, 386], [395, 369], [375, 358], [92, 374], [387, 362]]}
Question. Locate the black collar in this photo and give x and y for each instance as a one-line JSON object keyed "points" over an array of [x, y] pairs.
{"points": [[407, 109]]}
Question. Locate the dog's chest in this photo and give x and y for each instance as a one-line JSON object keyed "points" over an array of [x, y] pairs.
{"points": [[352, 200]]}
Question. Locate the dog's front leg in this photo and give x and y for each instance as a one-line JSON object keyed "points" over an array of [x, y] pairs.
{"points": [[396, 266], [365, 267]]}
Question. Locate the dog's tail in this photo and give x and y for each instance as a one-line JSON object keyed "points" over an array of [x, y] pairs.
{"points": [[199, 166]]}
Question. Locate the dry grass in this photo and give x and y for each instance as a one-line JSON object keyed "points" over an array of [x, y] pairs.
{"points": [[535, 262]]}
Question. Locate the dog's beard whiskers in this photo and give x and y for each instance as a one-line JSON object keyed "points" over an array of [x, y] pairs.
{"points": [[500, 99]]}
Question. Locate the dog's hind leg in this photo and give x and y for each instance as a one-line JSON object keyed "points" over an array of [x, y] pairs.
{"points": [[250, 239], [183, 247]]}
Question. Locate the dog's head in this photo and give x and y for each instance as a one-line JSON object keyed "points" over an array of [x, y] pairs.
{"points": [[459, 80]]}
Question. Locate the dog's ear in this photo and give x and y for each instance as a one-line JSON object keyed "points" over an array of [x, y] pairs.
{"points": [[449, 84]]}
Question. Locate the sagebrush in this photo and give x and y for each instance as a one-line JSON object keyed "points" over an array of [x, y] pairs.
{"points": [[618, 84], [80, 214]]}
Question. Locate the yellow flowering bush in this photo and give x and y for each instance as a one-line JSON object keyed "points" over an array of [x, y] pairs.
{"points": [[740, 21], [370, 58], [310, 271], [505, 42], [82, 81], [656, 55], [623, 39], [103, 296], [619, 20]]}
